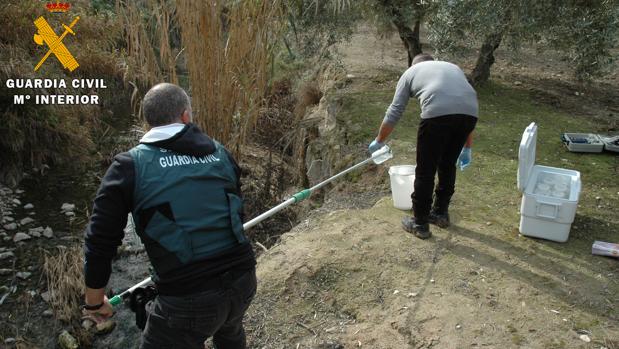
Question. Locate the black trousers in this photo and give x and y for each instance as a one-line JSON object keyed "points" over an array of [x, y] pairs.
{"points": [[439, 142], [188, 321]]}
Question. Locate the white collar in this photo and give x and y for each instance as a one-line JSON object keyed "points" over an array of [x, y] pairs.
{"points": [[160, 133]]}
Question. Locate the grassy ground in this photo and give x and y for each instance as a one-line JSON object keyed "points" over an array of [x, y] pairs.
{"points": [[488, 188], [354, 278]]}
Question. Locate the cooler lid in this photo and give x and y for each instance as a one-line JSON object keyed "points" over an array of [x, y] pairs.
{"points": [[526, 155]]}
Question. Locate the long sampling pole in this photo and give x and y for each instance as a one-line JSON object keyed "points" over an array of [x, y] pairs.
{"points": [[378, 157]]}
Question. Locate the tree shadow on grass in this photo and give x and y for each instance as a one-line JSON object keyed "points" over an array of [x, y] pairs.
{"points": [[581, 295]]}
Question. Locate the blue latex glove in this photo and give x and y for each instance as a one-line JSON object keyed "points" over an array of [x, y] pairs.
{"points": [[465, 158], [375, 145]]}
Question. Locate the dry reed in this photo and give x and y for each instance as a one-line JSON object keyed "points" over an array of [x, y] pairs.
{"points": [[140, 46], [65, 282], [165, 16], [147, 25], [228, 49]]}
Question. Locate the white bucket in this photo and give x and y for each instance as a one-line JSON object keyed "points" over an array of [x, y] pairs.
{"points": [[402, 179]]}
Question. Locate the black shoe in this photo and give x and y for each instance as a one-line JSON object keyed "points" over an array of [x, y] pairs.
{"points": [[441, 220], [421, 231]]}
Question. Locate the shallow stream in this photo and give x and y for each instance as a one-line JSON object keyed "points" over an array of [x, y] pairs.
{"points": [[22, 314]]}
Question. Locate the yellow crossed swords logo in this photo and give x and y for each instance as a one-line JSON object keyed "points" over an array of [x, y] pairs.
{"points": [[46, 35]]}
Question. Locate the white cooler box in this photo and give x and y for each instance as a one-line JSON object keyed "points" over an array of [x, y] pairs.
{"points": [[549, 194]]}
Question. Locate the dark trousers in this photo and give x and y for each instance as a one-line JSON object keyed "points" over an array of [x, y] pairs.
{"points": [[188, 321], [439, 142]]}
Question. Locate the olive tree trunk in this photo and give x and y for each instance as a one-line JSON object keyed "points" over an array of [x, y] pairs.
{"points": [[410, 38], [481, 72]]}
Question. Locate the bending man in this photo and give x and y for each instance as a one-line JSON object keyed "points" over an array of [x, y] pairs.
{"points": [[449, 113]]}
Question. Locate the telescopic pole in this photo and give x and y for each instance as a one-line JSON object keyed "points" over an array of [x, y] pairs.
{"points": [[378, 157]]}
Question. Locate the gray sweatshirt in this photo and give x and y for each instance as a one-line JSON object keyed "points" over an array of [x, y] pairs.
{"points": [[441, 88]]}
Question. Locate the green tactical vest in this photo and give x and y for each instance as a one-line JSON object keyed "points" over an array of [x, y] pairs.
{"points": [[185, 207]]}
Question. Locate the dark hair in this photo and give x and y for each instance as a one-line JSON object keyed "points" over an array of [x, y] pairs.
{"points": [[164, 104], [422, 57]]}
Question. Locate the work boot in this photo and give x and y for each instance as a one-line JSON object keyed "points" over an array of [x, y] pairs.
{"points": [[441, 220], [421, 231]]}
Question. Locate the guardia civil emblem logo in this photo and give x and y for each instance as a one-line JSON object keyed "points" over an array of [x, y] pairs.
{"points": [[45, 35]]}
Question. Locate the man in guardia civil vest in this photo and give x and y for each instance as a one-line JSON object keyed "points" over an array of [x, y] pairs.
{"points": [[183, 191]]}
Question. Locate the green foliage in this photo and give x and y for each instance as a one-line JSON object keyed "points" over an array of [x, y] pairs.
{"points": [[585, 31], [385, 12], [458, 25], [103, 6], [314, 25]]}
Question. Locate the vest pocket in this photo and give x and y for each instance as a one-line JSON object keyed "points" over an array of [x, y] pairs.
{"points": [[170, 236], [236, 205]]}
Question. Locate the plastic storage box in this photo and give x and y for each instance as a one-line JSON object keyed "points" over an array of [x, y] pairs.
{"points": [[589, 142], [583, 142], [549, 194], [611, 143]]}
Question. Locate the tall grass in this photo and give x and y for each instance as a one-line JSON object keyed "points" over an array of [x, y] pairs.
{"points": [[228, 48], [165, 20], [146, 26], [65, 282]]}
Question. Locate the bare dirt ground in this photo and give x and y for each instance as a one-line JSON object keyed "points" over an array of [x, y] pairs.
{"points": [[354, 278], [348, 276]]}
